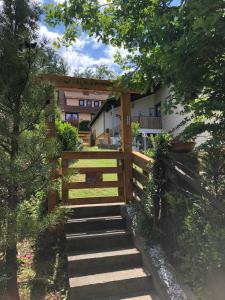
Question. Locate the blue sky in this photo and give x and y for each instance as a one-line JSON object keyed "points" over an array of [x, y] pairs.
{"points": [[86, 51]]}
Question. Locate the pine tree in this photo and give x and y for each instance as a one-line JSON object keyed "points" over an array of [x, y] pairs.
{"points": [[24, 151]]}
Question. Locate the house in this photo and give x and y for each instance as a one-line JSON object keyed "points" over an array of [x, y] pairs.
{"points": [[76, 105], [146, 110]]}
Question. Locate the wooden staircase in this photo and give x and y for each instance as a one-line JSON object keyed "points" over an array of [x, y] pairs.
{"points": [[102, 260]]}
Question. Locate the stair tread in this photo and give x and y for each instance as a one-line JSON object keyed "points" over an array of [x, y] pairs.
{"points": [[107, 277], [122, 252], [96, 234], [104, 218]]}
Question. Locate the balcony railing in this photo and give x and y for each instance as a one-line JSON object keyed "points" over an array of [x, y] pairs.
{"points": [[148, 122], [74, 123]]}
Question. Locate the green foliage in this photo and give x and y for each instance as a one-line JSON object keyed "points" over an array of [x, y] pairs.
{"points": [[84, 125], [135, 126], [146, 216], [96, 72], [50, 266], [28, 220], [178, 46], [186, 224], [27, 157], [67, 136]]}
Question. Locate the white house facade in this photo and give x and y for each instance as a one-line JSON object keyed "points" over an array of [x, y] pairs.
{"points": [[146, 110]]}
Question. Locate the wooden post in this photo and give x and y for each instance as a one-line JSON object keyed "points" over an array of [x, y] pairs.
{"points": [[125, 107], [120, 179], [65, 191]]}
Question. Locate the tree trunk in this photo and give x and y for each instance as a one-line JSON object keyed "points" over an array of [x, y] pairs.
{"points": [[11, 272], [13, 201]]}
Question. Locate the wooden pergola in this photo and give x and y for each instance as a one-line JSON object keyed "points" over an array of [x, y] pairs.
{"points": [[67, 83]]}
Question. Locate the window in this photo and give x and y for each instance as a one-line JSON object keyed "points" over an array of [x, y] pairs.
{"points": [[92, 116], [151, 111], [158, 110], [89, 103], [96, 104], [71, 116], [81, 102]]}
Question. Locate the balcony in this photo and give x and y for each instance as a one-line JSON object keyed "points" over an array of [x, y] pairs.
{"points": [[73, 122], [148, 122]]}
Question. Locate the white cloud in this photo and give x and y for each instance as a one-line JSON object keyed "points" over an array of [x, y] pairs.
{"points": [[45, 33], [75, 56], [102, 2]]}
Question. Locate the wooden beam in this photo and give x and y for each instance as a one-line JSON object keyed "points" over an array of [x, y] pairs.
{"points": [[85, 185], [125, 113], [95, 200], [92, 155], [103, 170], [67, 83], [65, 191], [142, 160], [143, 179], [139, 191]]}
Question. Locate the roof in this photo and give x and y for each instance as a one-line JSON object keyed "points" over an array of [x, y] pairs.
{"points": [[116, 102]]}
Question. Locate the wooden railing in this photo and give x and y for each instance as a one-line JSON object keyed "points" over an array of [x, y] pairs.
{"points": [[93, 177], [148, 122], [141, 164], [85, 136], [74, 123]]}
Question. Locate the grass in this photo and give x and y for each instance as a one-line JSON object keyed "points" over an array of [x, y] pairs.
{"points": [[93, 163]]}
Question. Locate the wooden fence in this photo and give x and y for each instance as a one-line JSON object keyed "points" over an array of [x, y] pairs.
{"points": [[140, 171]]}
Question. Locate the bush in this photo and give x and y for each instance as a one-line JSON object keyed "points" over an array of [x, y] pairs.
{"points": [[84, 125], [67, 136]]}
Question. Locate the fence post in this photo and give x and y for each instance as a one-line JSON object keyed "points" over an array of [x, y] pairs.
{"points": [[125, 110], [65, 191]]}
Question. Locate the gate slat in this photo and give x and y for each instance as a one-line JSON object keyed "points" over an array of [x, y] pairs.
{"points": [[95, 200], [92, 155], [85, 185]]}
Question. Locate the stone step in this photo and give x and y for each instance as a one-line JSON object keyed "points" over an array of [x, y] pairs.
{"points": [[94, 224], [103, 262], [99, 241], [94, 210], [111, 285]]}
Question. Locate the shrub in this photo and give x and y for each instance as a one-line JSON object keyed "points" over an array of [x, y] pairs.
{"points": [[84, 125], [67, 136]]}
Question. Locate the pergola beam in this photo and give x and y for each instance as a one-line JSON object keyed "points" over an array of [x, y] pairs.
{"points": [[68, 83]]}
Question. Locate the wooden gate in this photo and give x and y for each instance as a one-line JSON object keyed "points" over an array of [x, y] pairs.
{"points": [[123, 158], [92, 177]]}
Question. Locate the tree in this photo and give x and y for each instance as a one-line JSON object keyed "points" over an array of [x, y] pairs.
{"points": [[25, 153], [180, 46], [49, 62], [96, 72]]}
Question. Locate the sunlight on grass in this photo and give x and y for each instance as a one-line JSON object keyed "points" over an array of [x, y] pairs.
{"points": [[94, 192]]}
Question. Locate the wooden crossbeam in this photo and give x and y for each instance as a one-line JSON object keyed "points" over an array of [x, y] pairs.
{"points": [[67, 83], [141, 160], [143, 179], [139, 191], [105, 170], [85, 185], [92, 155], [95, 200]]}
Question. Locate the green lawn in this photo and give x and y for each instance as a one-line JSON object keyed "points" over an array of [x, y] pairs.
{"points": [[92, 163]]}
